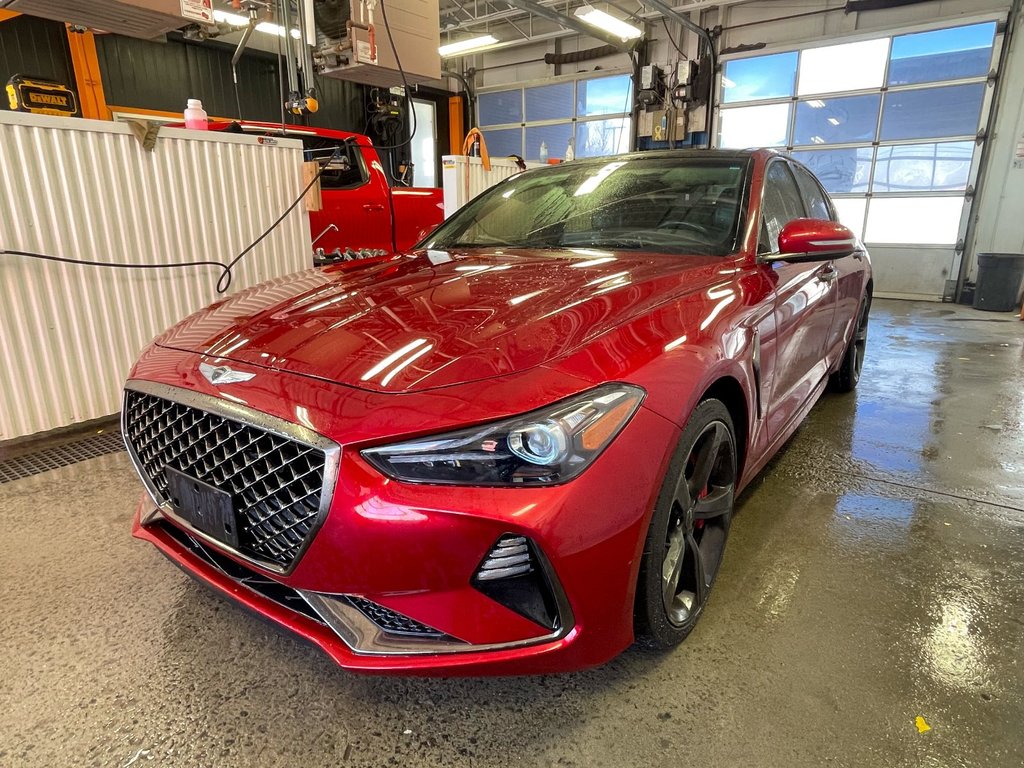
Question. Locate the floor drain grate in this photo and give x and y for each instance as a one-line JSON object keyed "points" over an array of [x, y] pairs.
{"points": [[61, 455]]}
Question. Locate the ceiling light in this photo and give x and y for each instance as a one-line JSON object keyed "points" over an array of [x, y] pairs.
{"points": [[607, 22], [467, 45], [833, 121], [236, 20], [815, 103]]}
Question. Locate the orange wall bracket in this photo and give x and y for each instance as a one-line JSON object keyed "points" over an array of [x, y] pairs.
{"points": [[87, 75], [456, 124]]}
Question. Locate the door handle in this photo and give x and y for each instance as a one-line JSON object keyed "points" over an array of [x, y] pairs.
{"points": [[828, 273], [373, 207]]}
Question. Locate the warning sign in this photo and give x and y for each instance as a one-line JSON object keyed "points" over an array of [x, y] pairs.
{"points": [[198, 10]]}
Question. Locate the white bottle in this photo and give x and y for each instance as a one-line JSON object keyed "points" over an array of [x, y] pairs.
{"points": [[570, 151], [195, 116], [543, 151]]}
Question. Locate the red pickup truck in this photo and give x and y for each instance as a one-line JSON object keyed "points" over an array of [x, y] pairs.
{"points": [[361, 211]]}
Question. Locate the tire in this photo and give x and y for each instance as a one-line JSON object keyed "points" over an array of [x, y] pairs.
{"points": [[846, 378], [689, 527]]}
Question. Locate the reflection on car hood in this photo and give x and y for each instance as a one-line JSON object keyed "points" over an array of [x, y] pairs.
{"points": [[433, 318]]}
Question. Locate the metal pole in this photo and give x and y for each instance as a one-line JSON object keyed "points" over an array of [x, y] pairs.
{"points": [[284, 6]]}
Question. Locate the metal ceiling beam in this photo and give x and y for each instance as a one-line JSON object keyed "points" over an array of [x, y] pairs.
{"points": [[691, 5], [571, 23], [671, 13]]}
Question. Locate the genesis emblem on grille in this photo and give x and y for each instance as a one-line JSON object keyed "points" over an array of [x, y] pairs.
{"points": [[221, 374]]}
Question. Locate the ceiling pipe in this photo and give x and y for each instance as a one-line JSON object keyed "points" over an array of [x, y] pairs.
{"points": [[570, 23]]}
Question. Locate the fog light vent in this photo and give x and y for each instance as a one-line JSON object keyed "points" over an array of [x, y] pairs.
{"points": [[515, 574], [509, 557]]}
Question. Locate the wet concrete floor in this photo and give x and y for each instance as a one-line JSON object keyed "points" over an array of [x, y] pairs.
{"points": [[873, 577]]}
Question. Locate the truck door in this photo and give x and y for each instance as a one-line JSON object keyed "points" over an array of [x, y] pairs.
{"points": [[356, 199]]}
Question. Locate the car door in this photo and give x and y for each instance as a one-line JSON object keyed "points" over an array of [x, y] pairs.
{"points": [[849, 272], [803, 306]]}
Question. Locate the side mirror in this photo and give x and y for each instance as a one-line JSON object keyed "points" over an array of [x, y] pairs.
{"points": [[816, 240]]}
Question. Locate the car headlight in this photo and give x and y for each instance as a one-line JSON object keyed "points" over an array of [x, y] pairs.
{"points": [[544, 447]]}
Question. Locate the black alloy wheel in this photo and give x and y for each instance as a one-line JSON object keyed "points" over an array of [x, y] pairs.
{"points": [[848, 376], [688, 531]]}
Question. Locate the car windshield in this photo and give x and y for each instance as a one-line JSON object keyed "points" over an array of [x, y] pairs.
{"points": [[677, 205]]}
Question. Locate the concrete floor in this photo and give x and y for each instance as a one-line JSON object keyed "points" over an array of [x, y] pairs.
{"points": [[873, 576]]}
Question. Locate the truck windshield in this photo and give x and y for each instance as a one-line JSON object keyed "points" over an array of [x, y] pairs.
{"points": [[680, 204]]}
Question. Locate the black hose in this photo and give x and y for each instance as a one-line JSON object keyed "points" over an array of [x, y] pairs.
{"points": [[226, 275], [576, 56]]}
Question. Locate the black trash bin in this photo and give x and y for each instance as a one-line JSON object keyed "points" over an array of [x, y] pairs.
{"points": [[999, 281]]}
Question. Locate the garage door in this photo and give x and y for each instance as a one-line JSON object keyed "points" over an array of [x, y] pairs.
{"points": [[891, 127]]}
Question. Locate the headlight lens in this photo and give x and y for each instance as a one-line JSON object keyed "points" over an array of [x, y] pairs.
{"points": [[544, 447]]}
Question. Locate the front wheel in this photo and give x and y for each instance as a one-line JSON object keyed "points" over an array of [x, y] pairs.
{"points": [[686, 538], [848, 376]]}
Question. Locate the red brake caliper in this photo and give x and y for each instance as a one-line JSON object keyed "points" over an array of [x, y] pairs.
{"points": [[701, 495]]}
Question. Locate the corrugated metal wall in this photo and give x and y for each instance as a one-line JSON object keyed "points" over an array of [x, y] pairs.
{"points": [[86, 189]]}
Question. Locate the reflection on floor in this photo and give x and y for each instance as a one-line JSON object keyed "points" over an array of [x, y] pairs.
{"points": [[872, 577]]}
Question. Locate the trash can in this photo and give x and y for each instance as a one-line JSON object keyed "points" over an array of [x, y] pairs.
{"points": [[999, 281]]}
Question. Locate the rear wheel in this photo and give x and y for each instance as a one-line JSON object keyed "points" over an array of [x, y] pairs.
{"points": [[686, 538], [847, 377]]}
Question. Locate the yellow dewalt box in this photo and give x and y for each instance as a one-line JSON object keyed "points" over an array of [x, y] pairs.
{"points": [[42, 97]]}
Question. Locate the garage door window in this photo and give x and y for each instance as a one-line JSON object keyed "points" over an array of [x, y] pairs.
{"points": [[593, 113], [889, 125]]}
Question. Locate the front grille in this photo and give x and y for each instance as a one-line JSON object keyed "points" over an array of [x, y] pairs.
{"points": [[276, 482], [391, 621]]}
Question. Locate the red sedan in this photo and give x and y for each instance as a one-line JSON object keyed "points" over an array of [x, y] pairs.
{"points": [[516, 448]]}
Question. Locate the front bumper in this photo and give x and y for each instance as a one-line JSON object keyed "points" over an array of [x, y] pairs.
{"points": [[414, 549]]}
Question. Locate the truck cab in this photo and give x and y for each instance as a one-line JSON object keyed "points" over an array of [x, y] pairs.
{"points": [[360, 210]]}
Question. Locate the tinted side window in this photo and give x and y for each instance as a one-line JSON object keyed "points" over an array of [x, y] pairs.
{"points": [[346, 171], [814, 199], [782, 204]]}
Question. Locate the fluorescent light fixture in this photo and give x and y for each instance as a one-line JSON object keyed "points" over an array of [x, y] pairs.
{"points": [[607, 22], [815, 103], [467, 45], [833, 121], [236, 20]]}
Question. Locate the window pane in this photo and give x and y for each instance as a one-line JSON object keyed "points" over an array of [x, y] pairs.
{"points": [[926, 113], [915, 167], [846, 67], [601, 137], [914, 220], [945, 54], [760, 77], [424, 144], [549, 102], [500, 107], [837, 121], [850, 211], [814, 198], [507, 141], [743, 127], [839, 170], [555, 136], [604, 96], [782, 204]]}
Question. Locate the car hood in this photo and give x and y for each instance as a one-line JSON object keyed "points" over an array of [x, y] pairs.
{"points": [[436, 318]]}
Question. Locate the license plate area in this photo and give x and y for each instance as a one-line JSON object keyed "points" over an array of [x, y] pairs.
{"points": [[206, 508]]}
